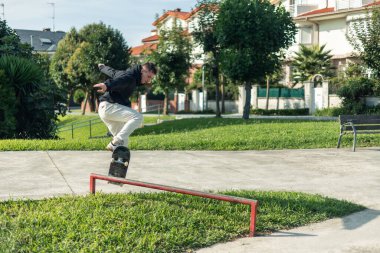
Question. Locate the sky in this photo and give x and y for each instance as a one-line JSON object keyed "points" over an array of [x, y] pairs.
{"points": [[133, 18]]}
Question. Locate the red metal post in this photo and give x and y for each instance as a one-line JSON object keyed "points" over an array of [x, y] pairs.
{"points": [[252, 203], [252, 226], [92, 184]]}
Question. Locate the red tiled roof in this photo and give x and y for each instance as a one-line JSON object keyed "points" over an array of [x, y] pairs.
{"points": [[178, 14], [213, 7], [315, 12], [151, 38], [148, 48]]}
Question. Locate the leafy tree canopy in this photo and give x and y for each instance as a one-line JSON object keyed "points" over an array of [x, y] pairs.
{"points": [[364, 36]]}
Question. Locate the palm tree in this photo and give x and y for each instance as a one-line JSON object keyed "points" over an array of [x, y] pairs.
{"points": [[310, 61], [33, 98]]}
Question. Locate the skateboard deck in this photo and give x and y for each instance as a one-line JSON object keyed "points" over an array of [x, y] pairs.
{"points": [[119, 162]]}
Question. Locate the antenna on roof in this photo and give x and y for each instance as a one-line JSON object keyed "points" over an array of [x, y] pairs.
{"points": [[53, 17], [2, 5]]}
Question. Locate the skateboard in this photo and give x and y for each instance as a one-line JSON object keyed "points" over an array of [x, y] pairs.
{"points": [[119, 162]]}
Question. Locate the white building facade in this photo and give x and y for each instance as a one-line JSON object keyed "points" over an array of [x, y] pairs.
{"points": [[324, 23]]}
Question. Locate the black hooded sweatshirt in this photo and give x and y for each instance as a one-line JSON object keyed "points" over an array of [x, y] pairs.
{"points": [[121, 85]]}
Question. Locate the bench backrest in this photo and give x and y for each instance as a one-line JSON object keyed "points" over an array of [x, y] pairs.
{"points": [[361, 122]]}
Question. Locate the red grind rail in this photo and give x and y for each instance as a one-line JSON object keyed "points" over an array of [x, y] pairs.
{"points": [[252, 203]]}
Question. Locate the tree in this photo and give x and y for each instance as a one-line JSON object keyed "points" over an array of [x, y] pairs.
{"points": [[310, 61], [205, 35], [28, 97], [173, 60], [59, 62], [364, 36], [80, 53], [34, 98], [7, 108], [251, 34], [10, 43]]}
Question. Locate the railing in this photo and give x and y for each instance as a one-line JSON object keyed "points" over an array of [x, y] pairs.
{"points": [[251, 202], [92, 122], [82, 124], [302, 6], [348, 4], [152, 108]]}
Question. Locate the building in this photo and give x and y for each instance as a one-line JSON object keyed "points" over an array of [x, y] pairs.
{"points": [[44, 41], [186, 20], [324, 23]]}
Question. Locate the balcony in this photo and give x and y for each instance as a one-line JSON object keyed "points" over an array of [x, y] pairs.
{"points": [[298, 7], [349, 4]]}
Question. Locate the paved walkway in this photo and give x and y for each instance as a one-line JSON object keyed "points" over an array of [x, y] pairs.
{"points": [[335, 173]]}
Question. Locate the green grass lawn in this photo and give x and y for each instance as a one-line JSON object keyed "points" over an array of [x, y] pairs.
{"points": [[166, 222], [204, 134], [154, 222]]}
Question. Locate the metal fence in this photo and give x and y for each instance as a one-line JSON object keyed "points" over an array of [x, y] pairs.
{"points": [[90, 123], [77, 125], [282, 92]]}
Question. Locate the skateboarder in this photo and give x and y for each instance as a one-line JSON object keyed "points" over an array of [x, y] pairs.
{"points": [[115, 107]]}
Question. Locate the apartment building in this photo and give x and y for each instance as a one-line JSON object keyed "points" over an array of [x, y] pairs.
{"points": [[324, 23]]}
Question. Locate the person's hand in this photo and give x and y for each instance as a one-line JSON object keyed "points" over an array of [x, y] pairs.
{"points": [[100, 65], [101, 87]]}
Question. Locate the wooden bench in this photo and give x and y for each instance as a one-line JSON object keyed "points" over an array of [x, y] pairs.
{"points": [[358, 124]]}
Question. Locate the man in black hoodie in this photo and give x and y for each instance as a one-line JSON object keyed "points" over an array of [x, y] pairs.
{"points": [[115, 107]]}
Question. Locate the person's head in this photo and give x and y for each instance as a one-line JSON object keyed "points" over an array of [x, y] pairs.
{"points": [[148, 71]]}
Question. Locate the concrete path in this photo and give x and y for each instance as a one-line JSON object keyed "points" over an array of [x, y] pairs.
{"points": [[335, 173]]}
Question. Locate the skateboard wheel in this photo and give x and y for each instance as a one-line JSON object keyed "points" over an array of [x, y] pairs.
{"points": [[126, 164]]}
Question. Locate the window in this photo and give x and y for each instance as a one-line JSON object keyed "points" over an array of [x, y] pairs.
{"points": [[45, 41], [306, 35]]}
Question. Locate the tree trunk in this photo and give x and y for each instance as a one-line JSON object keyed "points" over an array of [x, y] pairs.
{"points": [[139, 102], [247, 106], [69, 96], [223, 91], [166, 99], [217, 95], [92, 101], [85, 104], [187, 102], [267, 96]]}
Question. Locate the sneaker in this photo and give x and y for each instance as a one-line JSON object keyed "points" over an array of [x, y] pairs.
{"points": [[114, 144]]}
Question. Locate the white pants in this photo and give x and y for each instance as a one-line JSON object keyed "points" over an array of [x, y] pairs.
{"points": [[120, 120]]}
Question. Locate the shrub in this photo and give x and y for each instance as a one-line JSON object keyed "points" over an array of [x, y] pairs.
{"points": [[304, 111], [34, 98], [7, 108], [352, 93], [79, 96]]}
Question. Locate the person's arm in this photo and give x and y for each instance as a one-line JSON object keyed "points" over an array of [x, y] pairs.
{"points": [[107, 70], [101, 87]]}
